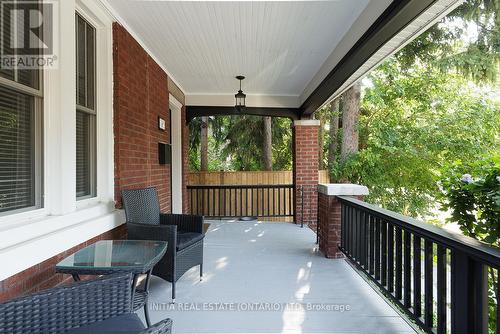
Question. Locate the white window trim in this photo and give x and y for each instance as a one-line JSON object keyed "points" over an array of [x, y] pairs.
{"points": [[91, 112], [35, 93], [30, 237], [98, 17]]}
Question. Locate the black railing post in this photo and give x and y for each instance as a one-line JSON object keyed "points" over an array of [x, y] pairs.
{"points": [[342, 226], [302, 206], [469, 287], [378, 261], [317, 221], [383, 271], [417, 276], [480, 274], [398, 278], [407, 270], [390, 258], [372, 245], [428, 283], [441, 290], [460, 296]]}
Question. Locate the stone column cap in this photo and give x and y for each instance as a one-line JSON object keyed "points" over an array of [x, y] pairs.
{"points": [[307, 122], [342, 189]]}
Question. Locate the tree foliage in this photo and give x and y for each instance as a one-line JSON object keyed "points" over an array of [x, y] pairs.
{"points": [[472, 193], [236, 143], [413, 124], [217, 130], [432, 103], [466, 42]]}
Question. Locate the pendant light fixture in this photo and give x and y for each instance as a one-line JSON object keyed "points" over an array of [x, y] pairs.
{"points": [[240, 96]]}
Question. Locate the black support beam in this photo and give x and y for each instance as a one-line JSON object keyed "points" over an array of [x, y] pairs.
{"points": [[198, 111], [394, 19]]}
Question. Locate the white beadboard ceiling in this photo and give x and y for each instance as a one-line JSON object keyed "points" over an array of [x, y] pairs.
{"points": [[284, 48], [279, 46]]}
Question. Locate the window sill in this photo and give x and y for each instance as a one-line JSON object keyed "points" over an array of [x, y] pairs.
{"points": [[25, 217], [27, 243], [86, 203]]}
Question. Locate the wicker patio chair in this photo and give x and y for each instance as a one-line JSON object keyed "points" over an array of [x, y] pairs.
{"points": [[184, 233], [103, 305]]}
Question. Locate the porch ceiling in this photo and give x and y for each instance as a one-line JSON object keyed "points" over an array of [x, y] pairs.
{"points": [[279, 46], [295, 54]]}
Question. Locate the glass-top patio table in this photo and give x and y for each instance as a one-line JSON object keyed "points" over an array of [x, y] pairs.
{"points": [[118, 256]]}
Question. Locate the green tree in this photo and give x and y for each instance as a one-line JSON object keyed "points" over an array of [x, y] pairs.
{"points": [[194, 144], [413, 125], [236, 143], [472, 193], [217, 127], [267, 149], [466, 42], [282, 143], [244, 142]]}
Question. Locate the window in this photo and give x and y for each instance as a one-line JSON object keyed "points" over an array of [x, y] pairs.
{"points": [[20, 140], [85, 110]]}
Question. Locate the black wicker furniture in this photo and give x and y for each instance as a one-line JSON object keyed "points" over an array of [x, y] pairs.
{"points": [[103, 305], [118, 256], [184, 233]]}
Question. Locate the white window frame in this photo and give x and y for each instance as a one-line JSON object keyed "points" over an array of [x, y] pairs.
{"points": [[31, 237], [103, 102], [93, 126], [37, 94]]}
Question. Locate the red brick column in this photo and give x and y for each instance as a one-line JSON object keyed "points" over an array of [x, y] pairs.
{"points": [[305, 170], [329, 216]]}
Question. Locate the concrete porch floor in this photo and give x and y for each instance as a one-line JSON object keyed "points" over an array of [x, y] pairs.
{"points": [[269, 278]]}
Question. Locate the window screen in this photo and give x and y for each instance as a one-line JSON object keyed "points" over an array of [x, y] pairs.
{"points": [[18, 165], [85, 113], [20, 133]]}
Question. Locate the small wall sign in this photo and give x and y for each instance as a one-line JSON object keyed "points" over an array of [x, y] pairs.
{"points": [[162, 125]]}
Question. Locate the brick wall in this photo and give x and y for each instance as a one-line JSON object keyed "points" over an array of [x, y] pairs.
{"points": [[141, 94], [140, 97], [329, 230], [330, 225], [305, 172], [43, 276]]}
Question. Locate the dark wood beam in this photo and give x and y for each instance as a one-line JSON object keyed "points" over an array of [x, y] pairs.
{"points": [[394, 19], [198, 111]]}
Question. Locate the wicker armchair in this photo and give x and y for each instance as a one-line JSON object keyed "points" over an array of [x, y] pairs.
{"points": [[184, 233], [99, 306]]}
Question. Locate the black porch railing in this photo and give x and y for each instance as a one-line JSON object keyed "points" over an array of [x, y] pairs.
{"points": [[241, 200], [439, 279]]}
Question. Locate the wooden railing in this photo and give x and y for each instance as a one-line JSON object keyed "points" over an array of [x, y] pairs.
{"points": [[242, 200], [439, 279]]}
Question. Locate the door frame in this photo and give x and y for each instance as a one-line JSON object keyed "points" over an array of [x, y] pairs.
{"points": [[176, 142]]}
